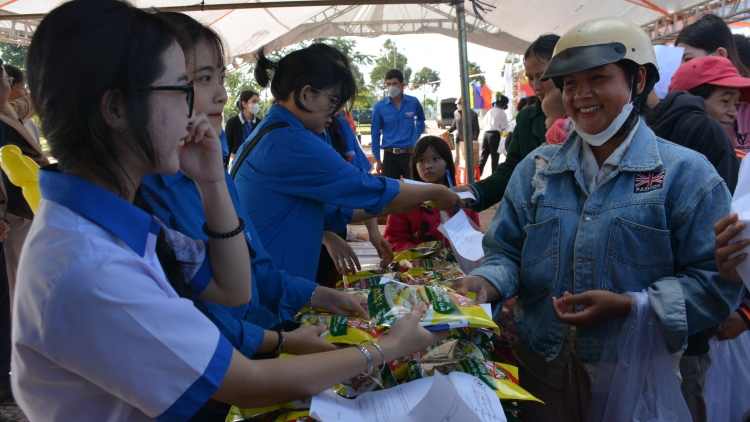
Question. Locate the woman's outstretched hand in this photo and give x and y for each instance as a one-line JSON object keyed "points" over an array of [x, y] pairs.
{"points": [[599, 306]]}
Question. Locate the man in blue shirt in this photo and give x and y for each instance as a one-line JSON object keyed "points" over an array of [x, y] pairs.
{"points": [[401, 119]]}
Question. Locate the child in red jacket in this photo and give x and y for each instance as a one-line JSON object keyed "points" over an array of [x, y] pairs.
{"points": [[429, 162]]}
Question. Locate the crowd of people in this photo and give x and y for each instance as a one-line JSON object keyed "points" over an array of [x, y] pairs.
{"points": [[170, 250]]}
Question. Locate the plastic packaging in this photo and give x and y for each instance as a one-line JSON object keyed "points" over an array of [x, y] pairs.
{"points": [[501, 378], [636, 380], [443, 308], [728, 379]]}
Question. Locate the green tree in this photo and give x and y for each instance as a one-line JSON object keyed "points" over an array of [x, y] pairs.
{"points": [[427, 103], [356, 58], [474, 69], [426, 75], [14, 54], [389, 59]]}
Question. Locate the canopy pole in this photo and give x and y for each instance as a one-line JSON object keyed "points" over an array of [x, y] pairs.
{"points": [[465, 107]]}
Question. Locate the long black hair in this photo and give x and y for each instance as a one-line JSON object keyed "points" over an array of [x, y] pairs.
{"points": [[315, 65], [543, 47], [709, 33], [442, 149], [122, 48]]}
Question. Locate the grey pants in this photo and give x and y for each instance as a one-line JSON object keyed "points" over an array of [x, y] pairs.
{"points": [[693, 370], [19, 228]]}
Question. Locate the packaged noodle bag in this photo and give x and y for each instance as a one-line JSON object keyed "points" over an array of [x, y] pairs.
{"points": [[318, 319], [454, 349], [269, 413], [481, 336], [419, 276], [502, 379], [450, 273], [423, 250], [360, 280], [341, 329], [295, 416], [443, 352], [379, 380], [351, 330], [444, 309]]}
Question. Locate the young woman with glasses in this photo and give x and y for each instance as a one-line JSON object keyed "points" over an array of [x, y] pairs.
{"points": [[89, 274]]}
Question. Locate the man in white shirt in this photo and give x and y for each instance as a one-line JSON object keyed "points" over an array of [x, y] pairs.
{"points": [[493, 124]]}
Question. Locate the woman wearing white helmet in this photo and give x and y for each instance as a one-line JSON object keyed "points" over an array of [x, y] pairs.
{"points": [[613, 209]]}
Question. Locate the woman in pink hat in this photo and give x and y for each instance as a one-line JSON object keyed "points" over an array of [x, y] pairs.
{"points": [[718, 82]]}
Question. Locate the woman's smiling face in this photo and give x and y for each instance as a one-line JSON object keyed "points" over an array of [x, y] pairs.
{"points": [[593, 98]]}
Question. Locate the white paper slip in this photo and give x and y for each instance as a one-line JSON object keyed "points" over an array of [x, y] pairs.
{"points": [[741, 206], [466, 195], [464, 237], [487, 307], [414, 182], [457, 397], [669, 59]]}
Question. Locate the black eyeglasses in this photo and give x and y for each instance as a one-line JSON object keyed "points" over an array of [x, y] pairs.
{"points": [[334, 101], [188, 89]]}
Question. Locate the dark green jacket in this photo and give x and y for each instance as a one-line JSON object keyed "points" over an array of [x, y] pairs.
{"points": [[527, 136]]}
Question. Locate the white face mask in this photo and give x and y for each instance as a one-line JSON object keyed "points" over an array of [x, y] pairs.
{"points": [[600, 138], [253, 108], [393, 91]]}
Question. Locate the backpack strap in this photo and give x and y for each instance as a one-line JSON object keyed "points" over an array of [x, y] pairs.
{"points": [[252, 144]]}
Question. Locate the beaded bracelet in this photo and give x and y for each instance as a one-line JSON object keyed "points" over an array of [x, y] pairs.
{"points": [[382, 353], [282, 335], [226, 235], [368, 356]]}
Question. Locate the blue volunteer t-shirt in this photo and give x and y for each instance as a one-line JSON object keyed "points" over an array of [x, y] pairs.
{"points": [[285, 183]]}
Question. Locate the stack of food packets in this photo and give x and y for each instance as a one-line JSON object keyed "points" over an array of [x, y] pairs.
{"points": [[422, 274]]}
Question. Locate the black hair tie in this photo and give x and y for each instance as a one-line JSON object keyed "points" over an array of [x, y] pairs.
{"points": [[226, 235]]}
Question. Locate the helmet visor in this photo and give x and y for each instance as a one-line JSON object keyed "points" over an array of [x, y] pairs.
{"points": [[576, 59]]}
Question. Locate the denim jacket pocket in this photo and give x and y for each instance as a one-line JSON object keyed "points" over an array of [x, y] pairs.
{"points": [[540, 258], [637, 256]]}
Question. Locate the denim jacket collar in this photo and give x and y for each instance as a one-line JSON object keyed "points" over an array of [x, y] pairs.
{"points": [[643, 154]]}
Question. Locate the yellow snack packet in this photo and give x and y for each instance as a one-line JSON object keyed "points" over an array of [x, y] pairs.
{"points": [[501, 378], [351, 330], [379, 380], [295, 416], [340, 329], [360, 280], [422, 250], [444, 309], [447, 351], [268, 413]]}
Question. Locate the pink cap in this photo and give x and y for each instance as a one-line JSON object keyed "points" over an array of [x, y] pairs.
{"points": [[710, 70]]}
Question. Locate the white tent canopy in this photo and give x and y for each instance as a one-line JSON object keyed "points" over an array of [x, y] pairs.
{"points": [[511, 26]]}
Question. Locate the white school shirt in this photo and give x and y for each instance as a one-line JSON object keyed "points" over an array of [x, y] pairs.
{"points": [[495, 119], [99, 334]]}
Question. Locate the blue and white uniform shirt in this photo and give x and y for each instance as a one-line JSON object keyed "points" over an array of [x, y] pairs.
{"points": [[99, 333]]}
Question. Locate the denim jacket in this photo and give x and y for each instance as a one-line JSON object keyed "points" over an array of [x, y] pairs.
{"points": [[648, 225]]}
